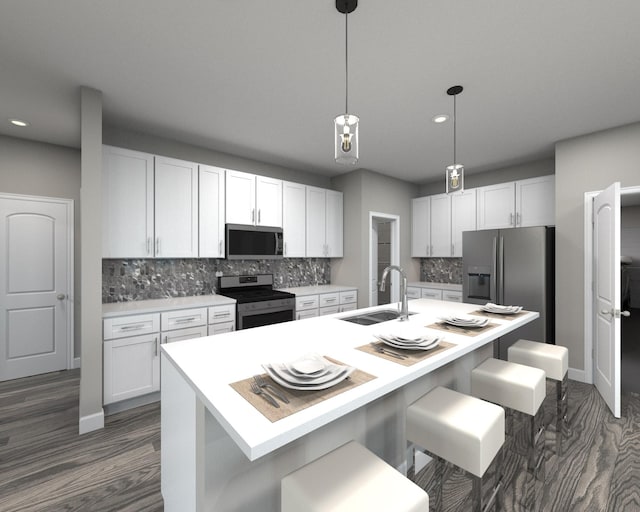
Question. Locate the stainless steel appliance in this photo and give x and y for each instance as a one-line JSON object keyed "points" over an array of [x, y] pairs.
{"points": [[513, 267], [247, 242], [257, 302]]}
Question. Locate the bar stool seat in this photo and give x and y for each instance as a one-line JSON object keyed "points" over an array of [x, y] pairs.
{"points": [[347, 479], [461, 429], [554, 360]]}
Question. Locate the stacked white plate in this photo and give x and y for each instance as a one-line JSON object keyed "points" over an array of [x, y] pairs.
{"points": [[310, 372], [409, 343], [501, 310], [464, 321]]}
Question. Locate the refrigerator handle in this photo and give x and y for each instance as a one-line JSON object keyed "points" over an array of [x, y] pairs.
{"points": [[501, 270], [494, 269]]}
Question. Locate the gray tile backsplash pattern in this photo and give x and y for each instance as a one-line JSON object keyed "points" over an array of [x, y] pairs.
{"points": [[129, 280], [441, 270]]}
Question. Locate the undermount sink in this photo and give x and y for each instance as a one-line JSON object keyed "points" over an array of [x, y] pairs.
{"points": [[374, 317]]}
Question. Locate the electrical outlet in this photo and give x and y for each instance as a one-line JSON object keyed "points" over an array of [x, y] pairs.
{"points": [[219, 273]]}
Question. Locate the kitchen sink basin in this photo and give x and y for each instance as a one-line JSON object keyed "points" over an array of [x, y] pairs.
{"points": [[374, 317]]}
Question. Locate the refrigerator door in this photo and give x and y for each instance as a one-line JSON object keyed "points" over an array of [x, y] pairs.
{"points": [[479, 270]]}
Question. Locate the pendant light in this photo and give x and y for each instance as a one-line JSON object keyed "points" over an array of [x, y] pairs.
{"points": [[346, 125], [455, 171]]}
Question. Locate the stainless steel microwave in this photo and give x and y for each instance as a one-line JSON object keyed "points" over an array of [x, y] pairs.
{"points": [[247, 242]]}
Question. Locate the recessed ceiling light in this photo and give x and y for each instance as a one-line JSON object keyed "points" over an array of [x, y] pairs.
{"points": [[19, 122], [441, 118]]}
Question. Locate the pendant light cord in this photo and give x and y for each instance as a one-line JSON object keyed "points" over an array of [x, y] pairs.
{"points": [[455, 121], [346, 58]]}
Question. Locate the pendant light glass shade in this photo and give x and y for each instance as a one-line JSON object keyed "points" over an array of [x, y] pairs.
{"points": [[346, 139], [454, 172]]}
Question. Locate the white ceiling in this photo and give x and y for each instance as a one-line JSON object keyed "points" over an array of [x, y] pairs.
{"points": [[265, 78]]}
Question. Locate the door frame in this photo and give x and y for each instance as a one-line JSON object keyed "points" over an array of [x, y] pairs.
{"points": [[587, 376], [69, 203], [395, 252]]}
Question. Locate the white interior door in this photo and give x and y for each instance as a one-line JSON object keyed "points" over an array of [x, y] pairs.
{"points": [[35, 317], [606, 278]]}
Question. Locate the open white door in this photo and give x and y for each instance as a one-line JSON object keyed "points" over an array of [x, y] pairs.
{"points": [[606, 295]]}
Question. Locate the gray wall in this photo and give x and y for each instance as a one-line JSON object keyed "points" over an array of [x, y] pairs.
{"points": [[366, 191], [585, 164], [38, 169], [502, 175]]}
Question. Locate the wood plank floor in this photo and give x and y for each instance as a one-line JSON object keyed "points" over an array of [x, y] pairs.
{"points": [[46, 466]]}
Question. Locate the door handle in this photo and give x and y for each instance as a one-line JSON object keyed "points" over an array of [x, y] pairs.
{"points": [[606, 312], [624, 313], [62, 296], [616, 313]]}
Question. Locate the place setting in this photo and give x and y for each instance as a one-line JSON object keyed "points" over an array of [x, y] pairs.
{"points": [[290, 386], [462, 324], [497, 311]]}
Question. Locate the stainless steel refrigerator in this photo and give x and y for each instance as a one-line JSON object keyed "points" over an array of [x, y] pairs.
{"points": [[512, 267]]}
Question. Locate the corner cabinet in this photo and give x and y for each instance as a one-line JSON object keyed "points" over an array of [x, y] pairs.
{"points": [[253, 199], [212, 206], [294, 219], [324, 218]]}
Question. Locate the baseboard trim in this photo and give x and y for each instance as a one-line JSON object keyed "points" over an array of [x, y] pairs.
{"points": [[579, 375], [76, 362], [92, 422]]}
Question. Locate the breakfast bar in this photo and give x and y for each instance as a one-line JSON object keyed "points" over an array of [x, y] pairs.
{"points": [[220, 452]]}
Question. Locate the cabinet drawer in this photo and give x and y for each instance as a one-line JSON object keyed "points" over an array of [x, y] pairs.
{"points": [[307, 313], [431, 293], [413, 292], [329, 310], [348, 307], [184, 334], [452, 296], [220, 314], [349, 297], [329, 299], [306, 302], [132, 325], [182, 318], [221, 328]]}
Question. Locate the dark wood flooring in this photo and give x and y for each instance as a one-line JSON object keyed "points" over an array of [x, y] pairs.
{"points": [[46, 466]]}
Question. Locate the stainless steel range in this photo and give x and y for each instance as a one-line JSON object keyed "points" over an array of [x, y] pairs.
{"points": [[257, 302]]}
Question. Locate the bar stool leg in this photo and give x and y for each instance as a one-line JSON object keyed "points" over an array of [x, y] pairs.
{"points": [[536, 457], [562, 420], [438, 494], [411, 469]]}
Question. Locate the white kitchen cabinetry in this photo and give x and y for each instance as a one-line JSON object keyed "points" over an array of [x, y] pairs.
{"points": [[431, 293], [212, 211], [320, 304], [329, 303], [496, 206], [440, 225], [127, 203], [463, 218], [435, 291], [222, 319], [420, 228], [348, 301], [413, 292], [183, 324], [324, 218], [451, 296], [294, 219], [253, 199]]}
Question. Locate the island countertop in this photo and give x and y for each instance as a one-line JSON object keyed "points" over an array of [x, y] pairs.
{"points": [[209, 365]]}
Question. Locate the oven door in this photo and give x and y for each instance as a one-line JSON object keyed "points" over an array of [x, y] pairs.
{"points": [[264, 316]]}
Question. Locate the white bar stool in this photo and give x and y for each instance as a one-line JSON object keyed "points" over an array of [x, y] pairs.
{"points": [[554, 360], [463, 430], [518, 387], [347, 479]]}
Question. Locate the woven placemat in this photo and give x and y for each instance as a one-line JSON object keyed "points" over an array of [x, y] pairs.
{"points": [[470, 331], [298, 399], [413, 356], [498, 316]]}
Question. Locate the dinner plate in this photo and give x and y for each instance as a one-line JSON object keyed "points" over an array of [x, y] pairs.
{"points": [[400, 346], [501, 310], [348, 370], [462, 321], [286, 374], [308, 366]]}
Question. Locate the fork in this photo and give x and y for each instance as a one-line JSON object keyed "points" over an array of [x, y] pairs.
{"points": [[274, 391], [258, 391], [391, 353]]}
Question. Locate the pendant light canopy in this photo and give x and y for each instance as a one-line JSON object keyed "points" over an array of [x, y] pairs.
{"points": [[346, 125], [455, 171]]}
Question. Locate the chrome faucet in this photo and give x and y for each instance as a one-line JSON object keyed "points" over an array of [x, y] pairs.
{"points": [[404, 310]]}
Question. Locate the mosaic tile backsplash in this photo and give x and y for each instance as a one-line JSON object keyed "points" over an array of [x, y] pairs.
{"points": [[441, 270], [129, 280]]}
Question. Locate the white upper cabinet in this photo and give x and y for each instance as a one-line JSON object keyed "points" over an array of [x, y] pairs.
{"points": [[176, 208], [334, 227], [496, 206], [127, 203], [294, 219], [324, 223], [420, 227], [536, 202], [440, 225], [463, 217], [212, 208], [253, 199]]}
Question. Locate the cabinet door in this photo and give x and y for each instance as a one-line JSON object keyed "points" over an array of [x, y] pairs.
{"points": [[496, 206], [308, 313], [431, 293], [440, 225], [463, 218], [184, 334], [536, 202], [334, 224], [241, 198], [222, 328], [293, 219], [420, 237], [211, 202], [268, 202], [127, 203], [131, 367], [316, 222], [176, 208]]}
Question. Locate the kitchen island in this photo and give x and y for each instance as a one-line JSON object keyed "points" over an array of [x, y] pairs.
{"points": [[221, 453]]}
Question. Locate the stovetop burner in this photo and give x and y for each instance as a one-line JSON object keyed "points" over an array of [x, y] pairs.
{"points": [[246, 289]]}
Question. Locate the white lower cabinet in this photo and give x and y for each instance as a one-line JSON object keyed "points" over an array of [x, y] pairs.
{"points": [[309, 306], [329, 310], [307, 313], [434, 293], [222, 319], [451, 296], [413, 292], [184, 334], [431, 293]]}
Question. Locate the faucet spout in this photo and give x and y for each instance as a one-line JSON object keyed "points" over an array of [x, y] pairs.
{"points": [[404, 308]]}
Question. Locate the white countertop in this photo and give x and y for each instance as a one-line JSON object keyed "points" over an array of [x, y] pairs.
{"points": [[138, 307], [439, 286], [211, 363], [317, 289]]}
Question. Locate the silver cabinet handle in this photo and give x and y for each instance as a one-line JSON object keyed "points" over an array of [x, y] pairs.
{"points": [[221, 314], [61, 296], [518, 219], [253, 216], [330, 300], [133, 327], [157, 245], [285, 248], [155, 344], [259, 215], [185, 320], [511, 219], [148, 245], [220, 247]]}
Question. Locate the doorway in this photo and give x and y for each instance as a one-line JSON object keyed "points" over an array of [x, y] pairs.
{"points": [[384, 250], [630, 284], [36, 285]]}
